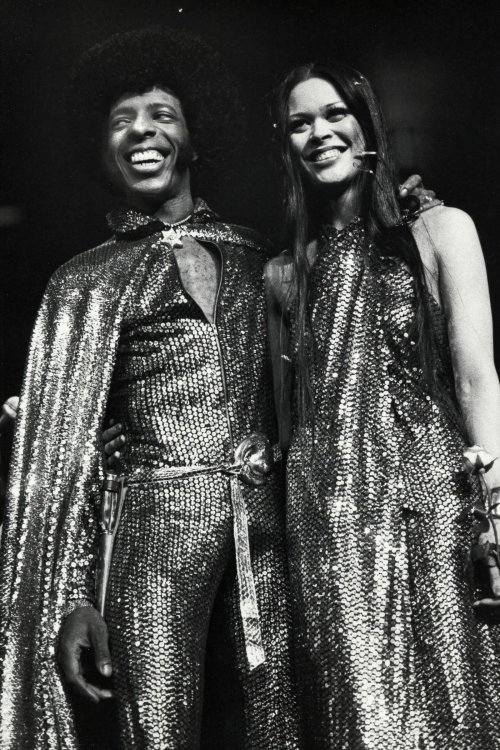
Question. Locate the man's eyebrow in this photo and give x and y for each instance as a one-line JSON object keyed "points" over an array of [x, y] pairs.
{"points": [[120, 109], [166, 105], [126, 108]]}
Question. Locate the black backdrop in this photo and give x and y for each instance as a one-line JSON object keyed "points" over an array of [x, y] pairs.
{"points": [[435, 65]]}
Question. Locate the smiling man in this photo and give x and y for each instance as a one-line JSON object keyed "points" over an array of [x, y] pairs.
{"points": [[163, 329]]}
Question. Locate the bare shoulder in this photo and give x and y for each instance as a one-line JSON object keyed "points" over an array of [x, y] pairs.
{"points": [[279, 269], [278, 276], [446, 231], [444, 224], [445, 219]]}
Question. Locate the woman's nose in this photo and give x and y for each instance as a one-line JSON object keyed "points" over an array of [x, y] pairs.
{"points": [[321, 128]]}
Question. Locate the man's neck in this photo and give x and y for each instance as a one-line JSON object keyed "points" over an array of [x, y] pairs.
{"points": [[173, 209], [176, 209]]}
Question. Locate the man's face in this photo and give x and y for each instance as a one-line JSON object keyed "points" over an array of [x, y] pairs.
{"points": [[147, 150]]}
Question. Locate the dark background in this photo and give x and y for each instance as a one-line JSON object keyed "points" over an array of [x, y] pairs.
{"points": [[434, 64]]}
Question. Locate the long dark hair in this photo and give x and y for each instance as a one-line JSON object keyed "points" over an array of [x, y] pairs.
{"points": [[379, 209]]}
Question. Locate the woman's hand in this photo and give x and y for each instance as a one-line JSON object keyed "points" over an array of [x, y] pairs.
{"points": [[492, 560], [113, 440], [491, 603]]}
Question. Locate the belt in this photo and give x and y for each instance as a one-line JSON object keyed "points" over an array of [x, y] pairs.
{"points": [[254, 459]]}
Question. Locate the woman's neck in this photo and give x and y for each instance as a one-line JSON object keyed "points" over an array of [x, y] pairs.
{"points": [[340, 210]]}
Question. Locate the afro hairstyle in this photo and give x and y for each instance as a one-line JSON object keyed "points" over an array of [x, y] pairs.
{"points": [[136, 61]]}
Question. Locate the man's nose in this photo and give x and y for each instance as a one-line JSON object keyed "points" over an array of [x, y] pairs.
{"points": [[321, 128], [143, 125]]}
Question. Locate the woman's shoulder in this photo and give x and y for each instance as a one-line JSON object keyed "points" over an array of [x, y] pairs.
{"points": [[445, 230], [280, 261], [278, 276], [443, 220], [279, 268]]}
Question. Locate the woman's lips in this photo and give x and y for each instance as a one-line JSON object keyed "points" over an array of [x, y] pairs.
{"points": [[330, 154]]}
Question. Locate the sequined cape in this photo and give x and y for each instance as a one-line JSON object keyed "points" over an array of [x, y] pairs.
{"points": [[56, 469], [390, 652]]}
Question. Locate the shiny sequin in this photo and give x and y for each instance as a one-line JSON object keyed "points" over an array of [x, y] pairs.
{"points": [[117, 335], [390, 653]]}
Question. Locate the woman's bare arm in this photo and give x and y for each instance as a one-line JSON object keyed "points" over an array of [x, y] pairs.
{"points": [[464, 293]]}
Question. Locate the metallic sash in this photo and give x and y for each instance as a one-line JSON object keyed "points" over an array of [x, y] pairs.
{"points": [[254, 461]]}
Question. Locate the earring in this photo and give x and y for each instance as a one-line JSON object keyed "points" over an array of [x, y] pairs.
{"points": [[362, 156]]}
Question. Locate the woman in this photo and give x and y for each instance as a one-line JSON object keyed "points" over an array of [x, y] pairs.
{"points": [[387, 325]]}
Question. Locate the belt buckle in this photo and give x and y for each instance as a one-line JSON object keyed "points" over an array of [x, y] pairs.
{"points": [[254, 456]]}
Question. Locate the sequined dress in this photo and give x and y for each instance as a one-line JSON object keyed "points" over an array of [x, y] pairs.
{"points": [[116, 334], [390, 654]]}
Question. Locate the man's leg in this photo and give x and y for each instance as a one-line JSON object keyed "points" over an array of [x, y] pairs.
{"points": [[172, 548]]}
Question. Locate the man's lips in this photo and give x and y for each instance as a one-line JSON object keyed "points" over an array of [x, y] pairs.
{"points": [[146, 160], [331, 153], [146, 155]]}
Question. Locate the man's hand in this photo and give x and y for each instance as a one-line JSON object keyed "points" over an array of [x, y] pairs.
{"points": [[114, 441], [414, 187], [85, 628]]}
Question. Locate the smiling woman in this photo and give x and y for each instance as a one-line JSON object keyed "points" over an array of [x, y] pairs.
{"points": [[387, 325]]}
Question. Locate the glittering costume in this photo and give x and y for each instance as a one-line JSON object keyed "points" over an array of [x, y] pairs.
{"points": [[118, 333], [390, 653]]}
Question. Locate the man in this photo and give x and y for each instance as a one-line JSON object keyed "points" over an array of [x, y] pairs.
{"points": [[163, 329]]}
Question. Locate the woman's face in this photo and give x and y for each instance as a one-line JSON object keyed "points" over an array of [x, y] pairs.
{"points": [[325, 137]]}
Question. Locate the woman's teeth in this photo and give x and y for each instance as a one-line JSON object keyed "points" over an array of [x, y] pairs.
{"points": [[331, 153]]}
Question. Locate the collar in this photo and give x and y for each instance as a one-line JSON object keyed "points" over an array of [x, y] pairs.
{"points": [[129, 223]]}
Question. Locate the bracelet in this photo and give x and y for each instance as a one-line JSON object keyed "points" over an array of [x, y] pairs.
{"points": [[70, 606], [408, 216]]}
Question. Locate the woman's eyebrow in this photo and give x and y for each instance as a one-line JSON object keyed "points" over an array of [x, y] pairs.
{"points": [[323, 107]]}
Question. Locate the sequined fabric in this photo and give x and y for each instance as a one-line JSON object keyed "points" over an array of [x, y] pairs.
{"points": [[117, 335], [390, 653]]}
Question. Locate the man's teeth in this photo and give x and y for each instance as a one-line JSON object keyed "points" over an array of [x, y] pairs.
{"points": [[331, 153], [146, 156]]}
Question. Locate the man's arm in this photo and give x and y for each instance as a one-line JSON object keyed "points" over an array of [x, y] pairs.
{"points": [[83, 628]]}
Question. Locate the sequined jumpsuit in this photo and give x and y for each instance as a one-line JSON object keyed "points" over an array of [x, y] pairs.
{"points": [[115, 332], [187, 392], [390, 653]]}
